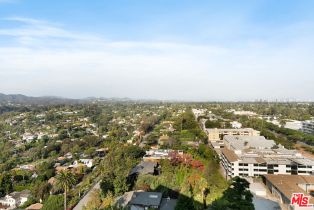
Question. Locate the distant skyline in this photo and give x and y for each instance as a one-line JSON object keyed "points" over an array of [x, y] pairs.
{"points": [[163, 49]]}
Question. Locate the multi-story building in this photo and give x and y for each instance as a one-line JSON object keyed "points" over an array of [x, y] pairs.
{"points": [[216, 134], [308, 126], [256, 156]]}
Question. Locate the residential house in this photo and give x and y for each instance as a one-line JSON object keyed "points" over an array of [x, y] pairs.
{"points": [[140, 200], [155, 155], [144, 168], [87, 162], [15, 199], [28, 137]]}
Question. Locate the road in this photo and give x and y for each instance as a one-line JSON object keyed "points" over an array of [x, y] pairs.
{"points": [[85, 199]]}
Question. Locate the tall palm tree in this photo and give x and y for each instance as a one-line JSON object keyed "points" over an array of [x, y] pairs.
{"points": [[65, 180]]}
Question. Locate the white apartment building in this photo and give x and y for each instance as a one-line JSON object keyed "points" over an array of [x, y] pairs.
{"points": [[294, 125], [245, 113], [199, 112], [308, 126], [256, 156], [236, 124], [216, 134]]}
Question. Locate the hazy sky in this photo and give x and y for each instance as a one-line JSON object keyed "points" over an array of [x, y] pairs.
{"points": [[158, 49]]}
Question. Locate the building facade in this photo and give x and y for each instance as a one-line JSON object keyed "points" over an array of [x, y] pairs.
{"points": [[217, 134], [256, 156], [308, 126]]}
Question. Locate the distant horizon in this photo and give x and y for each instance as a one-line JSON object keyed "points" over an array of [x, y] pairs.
{"points": [[168, 50], [161, 100]]}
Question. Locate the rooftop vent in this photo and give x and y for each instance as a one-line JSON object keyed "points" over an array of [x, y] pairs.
{"points": [[153, 196]]}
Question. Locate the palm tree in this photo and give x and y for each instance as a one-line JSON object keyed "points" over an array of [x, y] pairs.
{"points": [[65, 180]]}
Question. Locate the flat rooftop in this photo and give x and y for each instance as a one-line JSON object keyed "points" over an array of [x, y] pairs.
{"points": [[289, 184]]}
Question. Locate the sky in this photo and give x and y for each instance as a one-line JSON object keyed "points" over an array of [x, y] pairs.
{"points": [[192, 50]]}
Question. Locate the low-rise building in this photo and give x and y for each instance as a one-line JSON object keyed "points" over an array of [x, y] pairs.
{"points": [[216, 134], [27, 167], [86, 162], [284, 186], [28, 137], [293, 124], [144, 168], [155, 155], [236, 124], [140, 200], [244, 113], [199, 112], [102, 152]]}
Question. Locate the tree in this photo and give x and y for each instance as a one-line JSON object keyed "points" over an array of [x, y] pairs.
{"points": [[237, 196], [134, 152], [311, 109], [65, 180], [5, 184], [54, 202], [108, 201], [120, 185], [94, 200], [41, 190], [212, 124], [185, 203], [106, 185]]}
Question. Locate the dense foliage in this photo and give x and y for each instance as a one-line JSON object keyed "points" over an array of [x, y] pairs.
{"points": [[236, 197]]}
